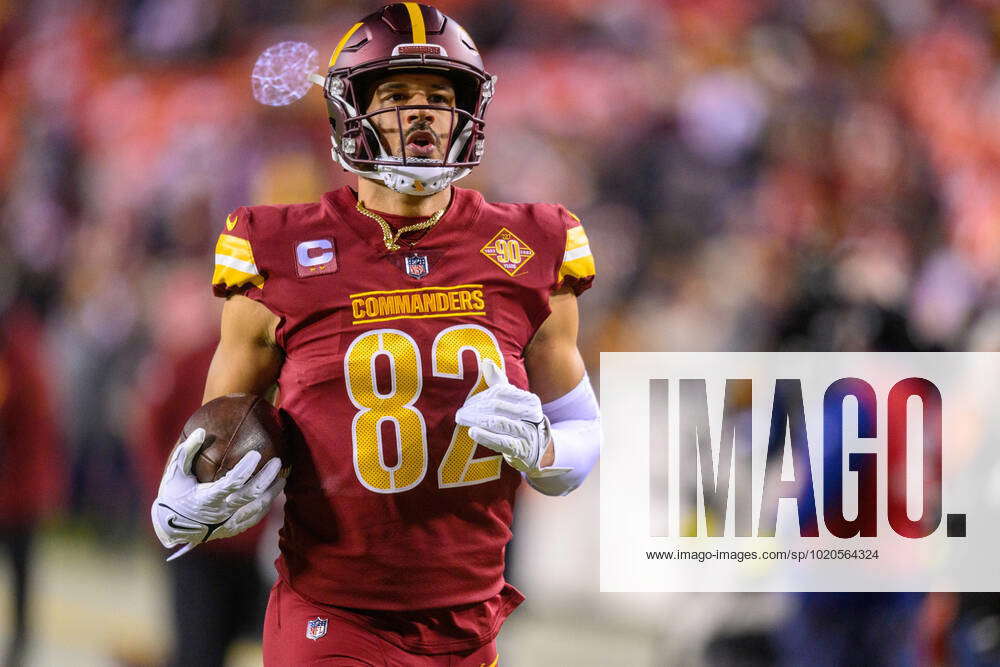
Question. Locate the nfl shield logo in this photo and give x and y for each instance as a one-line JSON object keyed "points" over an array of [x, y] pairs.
{"points": [[417, 266], [316, 628]]}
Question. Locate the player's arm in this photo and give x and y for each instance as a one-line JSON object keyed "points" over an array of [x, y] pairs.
{"points": [[556, 373], [552, 359], [187, 512], [248, 358], [555, 443]]}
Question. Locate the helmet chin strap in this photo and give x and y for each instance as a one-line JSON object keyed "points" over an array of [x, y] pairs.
{"points": [[413, 179], [409, 179]]}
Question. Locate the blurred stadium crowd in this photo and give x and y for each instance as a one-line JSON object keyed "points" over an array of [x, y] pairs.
{"points": [[754, 175]]}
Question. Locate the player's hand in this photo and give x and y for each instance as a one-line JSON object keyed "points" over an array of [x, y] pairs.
{"points": [[187, 512], [509, 421]]}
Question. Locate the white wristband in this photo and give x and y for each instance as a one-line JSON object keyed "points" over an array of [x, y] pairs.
{"points": [[576, 436]]}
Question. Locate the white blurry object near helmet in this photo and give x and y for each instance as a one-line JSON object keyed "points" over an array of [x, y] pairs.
{"points": [[284, 72]]}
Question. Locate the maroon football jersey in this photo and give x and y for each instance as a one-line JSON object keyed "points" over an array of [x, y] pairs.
{"points": [[390, 504]]}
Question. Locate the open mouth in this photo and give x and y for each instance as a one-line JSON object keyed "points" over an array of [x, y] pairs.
{"points": [[421, 143]]}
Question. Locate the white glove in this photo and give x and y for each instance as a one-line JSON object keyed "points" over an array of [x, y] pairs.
{"points": [[509, 421], [188, 512]]}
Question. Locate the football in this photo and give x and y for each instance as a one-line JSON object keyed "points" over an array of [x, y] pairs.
{"points": [[234, 425]]}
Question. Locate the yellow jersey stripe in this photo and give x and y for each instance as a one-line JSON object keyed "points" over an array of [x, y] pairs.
{"points": [[575, 238], [235, 247], [230, 277], [343, 42], [248, 268], [576, 253], [573, 215], [234, 263], [417, 23], [578, 268]]}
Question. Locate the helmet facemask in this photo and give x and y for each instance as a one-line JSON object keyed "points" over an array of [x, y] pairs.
{"points": [[359, 147]]}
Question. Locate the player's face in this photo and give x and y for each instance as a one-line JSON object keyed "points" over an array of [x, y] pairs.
{"points": [[425, 131]]}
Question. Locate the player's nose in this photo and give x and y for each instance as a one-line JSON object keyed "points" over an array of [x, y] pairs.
{"points": [[413, 115]]}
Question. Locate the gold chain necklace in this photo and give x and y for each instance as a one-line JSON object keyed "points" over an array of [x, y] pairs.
{"points": [[391, 241]]}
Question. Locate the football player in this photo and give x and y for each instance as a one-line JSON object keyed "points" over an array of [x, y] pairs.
{"points": [[424, 344]]}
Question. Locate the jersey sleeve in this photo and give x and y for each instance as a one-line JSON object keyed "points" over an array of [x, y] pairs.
{"points": [[577, 269], [236, 270]]}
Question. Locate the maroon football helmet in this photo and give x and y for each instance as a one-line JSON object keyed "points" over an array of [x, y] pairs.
{"points": [[406, 36]]}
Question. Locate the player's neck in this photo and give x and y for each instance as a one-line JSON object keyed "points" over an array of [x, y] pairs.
{"points": [[377, 197]]}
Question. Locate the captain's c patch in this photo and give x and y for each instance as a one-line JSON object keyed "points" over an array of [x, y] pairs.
{"points": [[316, 257]]}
